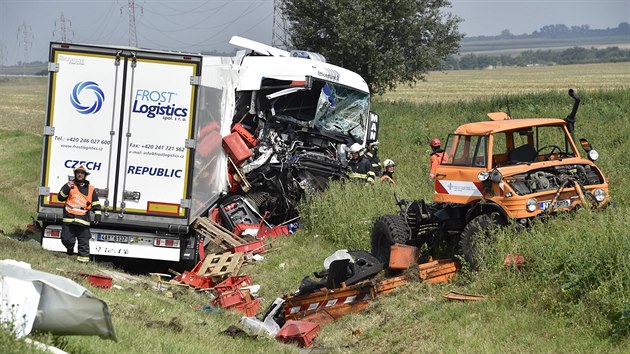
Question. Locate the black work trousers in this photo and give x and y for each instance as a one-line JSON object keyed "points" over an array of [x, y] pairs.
{"points": [[71, 232]]}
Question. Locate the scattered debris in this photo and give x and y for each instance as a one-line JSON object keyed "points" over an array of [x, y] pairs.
{"points": [[99, 281], [268, 327], [216, 233], [514, 260], [160, 277], [253, 247], [402, 256], [301, 332], [233, 283], [438, 271], [454, 295], [36, 300], [119, 276], [238, 300]]}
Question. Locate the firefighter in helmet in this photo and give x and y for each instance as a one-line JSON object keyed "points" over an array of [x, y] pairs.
{"points": [[437, 156], [80, 198], [360, 167], [388, 174], [372, 155]]}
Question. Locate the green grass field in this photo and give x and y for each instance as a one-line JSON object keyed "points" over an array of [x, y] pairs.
{"points": [[474, 84], [573, 296]]}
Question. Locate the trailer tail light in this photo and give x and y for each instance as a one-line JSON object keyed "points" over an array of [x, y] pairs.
{"points": [[230, 206], [52, 233], [166, 242]]}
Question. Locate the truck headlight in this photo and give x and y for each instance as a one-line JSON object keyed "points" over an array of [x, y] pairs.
{"points": [[483, 175], [593, 155], [531, 205], [599, 194]]}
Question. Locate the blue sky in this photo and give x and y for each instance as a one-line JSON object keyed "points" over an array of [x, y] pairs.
{"points": [[201, 25]]}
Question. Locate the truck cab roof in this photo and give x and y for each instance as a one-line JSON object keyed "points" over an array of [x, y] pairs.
{"points": [[491, 127]]}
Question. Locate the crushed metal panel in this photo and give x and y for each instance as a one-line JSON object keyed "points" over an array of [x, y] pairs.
{"points": [[63, 307]]}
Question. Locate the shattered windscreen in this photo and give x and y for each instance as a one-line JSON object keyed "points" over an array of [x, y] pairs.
{"points": [[341, 110], [331, 108]]}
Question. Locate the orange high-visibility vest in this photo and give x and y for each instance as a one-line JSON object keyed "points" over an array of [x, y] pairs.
{"points": [[436, 160], [78, 203], [386, 178]]}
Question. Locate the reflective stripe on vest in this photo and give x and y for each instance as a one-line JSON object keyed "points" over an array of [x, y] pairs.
{"points": [[358, 175], [76, 221], [78, 203]]}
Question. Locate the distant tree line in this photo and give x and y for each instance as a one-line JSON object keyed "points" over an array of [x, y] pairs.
{"points": [[575, 55], [559, 31]]}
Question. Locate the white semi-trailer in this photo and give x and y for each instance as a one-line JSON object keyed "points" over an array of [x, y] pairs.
{"points": [[149, 126]]}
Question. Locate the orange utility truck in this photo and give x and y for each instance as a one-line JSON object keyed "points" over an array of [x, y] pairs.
{"points": [[498, 172]]}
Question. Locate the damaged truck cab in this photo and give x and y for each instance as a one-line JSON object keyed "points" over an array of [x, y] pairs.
{"points": [[496, 172], [300, 117]]}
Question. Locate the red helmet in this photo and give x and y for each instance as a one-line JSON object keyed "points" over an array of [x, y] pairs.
{"points": [[435, 142]]}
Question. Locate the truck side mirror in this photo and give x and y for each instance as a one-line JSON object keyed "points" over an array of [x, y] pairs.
{"points": [[585, 145], [372, 128], [588, 148]]}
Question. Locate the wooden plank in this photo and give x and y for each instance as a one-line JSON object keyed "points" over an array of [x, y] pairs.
{"points": [[230, 266], [453, 295], [220, 265], [216, 233], [207, 262]]}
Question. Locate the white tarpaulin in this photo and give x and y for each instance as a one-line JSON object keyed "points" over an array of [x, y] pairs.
{"points": [[35, 300]]}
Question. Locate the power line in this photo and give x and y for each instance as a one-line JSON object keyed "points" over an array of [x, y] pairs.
{"points": [[131, 9], [280, 26], [25, 40], [3, 57], [214, 34], [177, 12], [194, 26], [61, 29], [101, 26]]}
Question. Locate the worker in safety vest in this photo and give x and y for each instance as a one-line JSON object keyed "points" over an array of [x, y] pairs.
{"points": [[437, 156], [80, 199], [388, 175], [372, 156], [360, 168]]}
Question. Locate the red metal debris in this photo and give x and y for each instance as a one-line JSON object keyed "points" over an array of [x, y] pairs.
{"points": [[232, 283], [99, 281], [249, 309], [301, 332], [231, 298], [514, 260], [236, 148], [253, 247], [273, 232]]}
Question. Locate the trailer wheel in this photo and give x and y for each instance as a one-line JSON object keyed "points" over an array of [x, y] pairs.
{"points": [[478, 233], [387, 230]]}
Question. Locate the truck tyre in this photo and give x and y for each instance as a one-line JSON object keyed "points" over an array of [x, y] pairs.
{"points": [[387, 230], [476, 234]]}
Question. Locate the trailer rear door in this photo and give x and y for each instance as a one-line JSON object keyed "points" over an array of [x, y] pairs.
{"points": [[129, 117], [153, 176]]}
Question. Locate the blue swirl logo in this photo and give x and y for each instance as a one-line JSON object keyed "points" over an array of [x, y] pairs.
{"points": [[91, 108]]}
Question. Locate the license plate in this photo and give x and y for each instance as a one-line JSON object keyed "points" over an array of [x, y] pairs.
{"points": [[113, 238], [115, 250], [559, 204]]}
